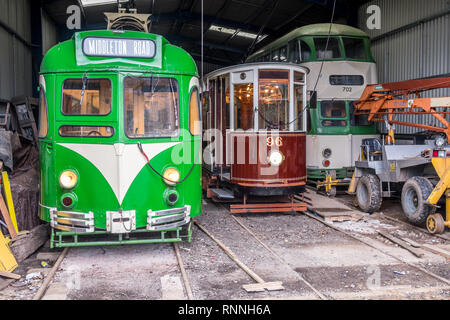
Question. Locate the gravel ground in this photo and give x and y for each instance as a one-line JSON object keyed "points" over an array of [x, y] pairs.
{"points": [[335, 264]]}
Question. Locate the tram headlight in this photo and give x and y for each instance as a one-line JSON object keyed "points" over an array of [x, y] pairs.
{"points": [[171, 176], [276, 158], [326, 153], [68, 179]]}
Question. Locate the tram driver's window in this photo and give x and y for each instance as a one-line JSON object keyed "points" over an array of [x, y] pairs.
{"points": [[273, 108], [86, 97], [332, 50], [333, 109], [151, 107]]}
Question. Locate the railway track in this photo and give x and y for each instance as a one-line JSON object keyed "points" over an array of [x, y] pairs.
{"points": [[45, 285], [310, 213]]}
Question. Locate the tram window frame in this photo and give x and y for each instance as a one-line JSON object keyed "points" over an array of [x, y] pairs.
{"points": [[176, 132], [86, 136], [275, 56], [192, 126], [277, 78], [345, 42], [43, 110], [358, 120], [88, 114], [283, 52], [331, 47], [304, 44], [294, 51], [331, 103]]}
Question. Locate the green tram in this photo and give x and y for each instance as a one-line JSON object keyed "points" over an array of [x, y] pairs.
{"points": [[345, 66], [120, 140]]}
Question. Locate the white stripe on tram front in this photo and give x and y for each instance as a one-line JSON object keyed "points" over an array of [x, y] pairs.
{"points": [[118, 163]]}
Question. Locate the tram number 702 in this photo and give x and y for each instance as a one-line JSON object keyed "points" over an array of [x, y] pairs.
{"points": [[346, 89]]}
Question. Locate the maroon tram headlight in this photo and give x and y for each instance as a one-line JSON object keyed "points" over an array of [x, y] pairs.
{"points": [[276, 158]]}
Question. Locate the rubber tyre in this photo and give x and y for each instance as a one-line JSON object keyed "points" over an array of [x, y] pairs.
{"points": [[435, 224], [415, 192], [368, 193]]}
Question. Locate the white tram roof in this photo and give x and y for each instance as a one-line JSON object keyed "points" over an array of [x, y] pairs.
{"points": [[257, 65]]}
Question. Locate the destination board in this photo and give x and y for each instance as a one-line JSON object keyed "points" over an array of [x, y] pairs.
{"points": [[119, 47]]}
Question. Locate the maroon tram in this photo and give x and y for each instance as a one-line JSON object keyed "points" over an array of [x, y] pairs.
{"points": [[255, 136]]}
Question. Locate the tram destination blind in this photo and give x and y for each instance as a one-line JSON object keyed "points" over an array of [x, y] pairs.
{"points": [[119, 47]]}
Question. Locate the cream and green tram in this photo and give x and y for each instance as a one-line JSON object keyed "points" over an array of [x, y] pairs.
{"points": [[346, 66]]}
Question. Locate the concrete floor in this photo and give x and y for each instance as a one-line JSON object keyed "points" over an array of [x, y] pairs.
{"points": [[338, 266]]}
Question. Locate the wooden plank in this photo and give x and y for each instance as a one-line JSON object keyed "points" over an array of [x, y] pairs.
{"points": [[7, 260], [47, 280], [7, 218], [26, 246], [412, 243], [437, 250], [402, 244], [260, 287], [10, 275]]}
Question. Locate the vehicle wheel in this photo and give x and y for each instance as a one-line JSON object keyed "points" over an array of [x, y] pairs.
{"points": [[414, 194], [435, 224], [368, 193]]}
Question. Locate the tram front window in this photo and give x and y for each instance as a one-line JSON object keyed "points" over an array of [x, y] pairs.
{"points": [[333, 109], [86, 97], [332, 50], [151, 107], [354, 48], [273, 109]]}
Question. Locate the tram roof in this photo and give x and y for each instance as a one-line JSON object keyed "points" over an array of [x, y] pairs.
{"points": [[318, 29], [69, 56], [244, 66]]}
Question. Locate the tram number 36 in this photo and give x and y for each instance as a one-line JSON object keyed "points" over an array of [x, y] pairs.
{"points": [[271, 141], [346, 89]]}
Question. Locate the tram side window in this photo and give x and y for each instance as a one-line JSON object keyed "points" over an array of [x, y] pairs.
{"points": [[195, 123], [294, 53], [151, 107], [273, 109], [305, 51], [86, 97], [298, 111], [243, 106], [276, 55], [43, 115], [331, 52], [354, 48], [283, 54]]}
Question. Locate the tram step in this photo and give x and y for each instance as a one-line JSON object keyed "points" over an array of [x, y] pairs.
{"points": [[222, 193]]}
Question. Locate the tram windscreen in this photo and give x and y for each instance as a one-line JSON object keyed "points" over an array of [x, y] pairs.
{"points": [[273, 108], [151, 107], [323, 51], [86, 96], [354, 48]]}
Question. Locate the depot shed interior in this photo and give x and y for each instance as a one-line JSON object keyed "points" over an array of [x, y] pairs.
{"points": [[412, 43]]}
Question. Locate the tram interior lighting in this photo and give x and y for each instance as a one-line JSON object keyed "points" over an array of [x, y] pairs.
{"points": [[91, 3], [239, 33]]}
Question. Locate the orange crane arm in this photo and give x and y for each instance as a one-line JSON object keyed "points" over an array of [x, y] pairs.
{"points": [[395, 98]]}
